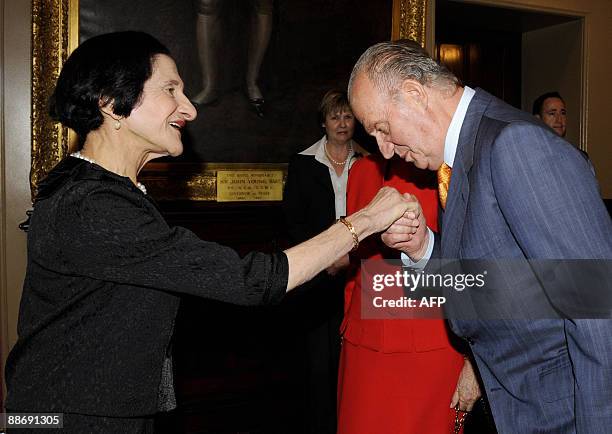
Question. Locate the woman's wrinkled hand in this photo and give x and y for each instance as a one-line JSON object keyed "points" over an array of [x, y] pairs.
{"points": [[388, 206], [409, 233]]}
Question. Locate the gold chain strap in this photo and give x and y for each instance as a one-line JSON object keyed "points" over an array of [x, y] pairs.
{"points": [[351, 229], [459, 420]]}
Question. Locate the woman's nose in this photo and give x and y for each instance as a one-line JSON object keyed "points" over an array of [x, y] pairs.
{"points": [[187, 109]]}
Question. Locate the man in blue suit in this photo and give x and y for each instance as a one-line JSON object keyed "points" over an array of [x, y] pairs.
{"points": [[517, 191]]}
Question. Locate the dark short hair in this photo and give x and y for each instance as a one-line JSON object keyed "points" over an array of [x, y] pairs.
{"points": [[539, 101], [112, 67], [333, 101]]}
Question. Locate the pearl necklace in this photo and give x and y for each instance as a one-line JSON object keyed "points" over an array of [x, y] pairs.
{"points": [[92, 161], [339, 163]]}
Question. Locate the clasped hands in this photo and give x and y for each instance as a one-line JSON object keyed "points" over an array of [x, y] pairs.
{"points": [[400, 217], [388, 209], [409, 233]]}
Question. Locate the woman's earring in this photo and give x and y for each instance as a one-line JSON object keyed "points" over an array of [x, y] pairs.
{"points": [[117, 124]]}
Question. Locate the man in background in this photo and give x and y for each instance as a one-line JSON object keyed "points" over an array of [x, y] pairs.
{"points": [[550, 107]]}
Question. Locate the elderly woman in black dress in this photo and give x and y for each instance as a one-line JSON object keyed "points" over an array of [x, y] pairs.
{"points": [[105, 271]]}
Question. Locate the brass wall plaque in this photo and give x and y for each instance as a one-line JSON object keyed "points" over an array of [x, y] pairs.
{"points": [[249, 185]]}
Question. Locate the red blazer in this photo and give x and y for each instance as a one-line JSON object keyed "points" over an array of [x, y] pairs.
{"points": [[367, 176]]}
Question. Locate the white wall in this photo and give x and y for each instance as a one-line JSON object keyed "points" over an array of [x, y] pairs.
{"points": [[14, 160]]}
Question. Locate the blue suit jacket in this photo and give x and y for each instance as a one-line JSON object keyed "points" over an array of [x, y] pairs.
{"points": [[519, 191]]}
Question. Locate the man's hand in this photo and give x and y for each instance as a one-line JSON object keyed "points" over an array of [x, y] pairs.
{"points": [[468, 390], [409, 233]]}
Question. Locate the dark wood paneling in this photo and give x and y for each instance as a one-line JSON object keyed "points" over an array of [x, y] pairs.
{"points": [[490, 49], [243, 226]]}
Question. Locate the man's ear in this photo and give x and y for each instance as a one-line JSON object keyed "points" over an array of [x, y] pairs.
{"points": [[414, 93]]}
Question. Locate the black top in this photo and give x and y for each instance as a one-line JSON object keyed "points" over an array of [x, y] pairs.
{"points": [[101, 292], [309, 200], [310, 208]]}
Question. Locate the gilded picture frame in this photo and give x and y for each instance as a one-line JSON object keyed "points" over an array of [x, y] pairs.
{"points": [[55, 33]]}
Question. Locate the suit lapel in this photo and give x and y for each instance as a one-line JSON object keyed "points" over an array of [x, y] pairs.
{"points": [[459, 190]]}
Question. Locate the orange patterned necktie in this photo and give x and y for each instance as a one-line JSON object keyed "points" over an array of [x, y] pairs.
{"points": [[444, 177]]}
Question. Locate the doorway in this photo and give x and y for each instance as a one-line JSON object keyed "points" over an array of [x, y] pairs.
{"points": [[515, 54]]}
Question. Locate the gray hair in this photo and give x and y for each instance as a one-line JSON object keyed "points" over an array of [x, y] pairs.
{"points": [[388, 64]]}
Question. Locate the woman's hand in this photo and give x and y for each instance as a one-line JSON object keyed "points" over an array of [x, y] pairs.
{"points": [[409, 234], [314, 255], [387, 206], [468, 390]]}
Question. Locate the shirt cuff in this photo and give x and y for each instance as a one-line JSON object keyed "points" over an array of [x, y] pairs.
{"points": [[420, 264]]}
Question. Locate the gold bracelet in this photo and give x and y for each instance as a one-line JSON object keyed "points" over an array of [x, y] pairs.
{"points": [[350, 227]]}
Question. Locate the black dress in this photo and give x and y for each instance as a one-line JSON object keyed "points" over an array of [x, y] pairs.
{"points": [[101, 292]]}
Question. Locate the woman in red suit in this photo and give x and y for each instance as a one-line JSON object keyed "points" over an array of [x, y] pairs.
{"points": [[396, 376]]}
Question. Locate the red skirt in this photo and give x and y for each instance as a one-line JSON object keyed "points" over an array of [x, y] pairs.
{"points": [[396, 393]]}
